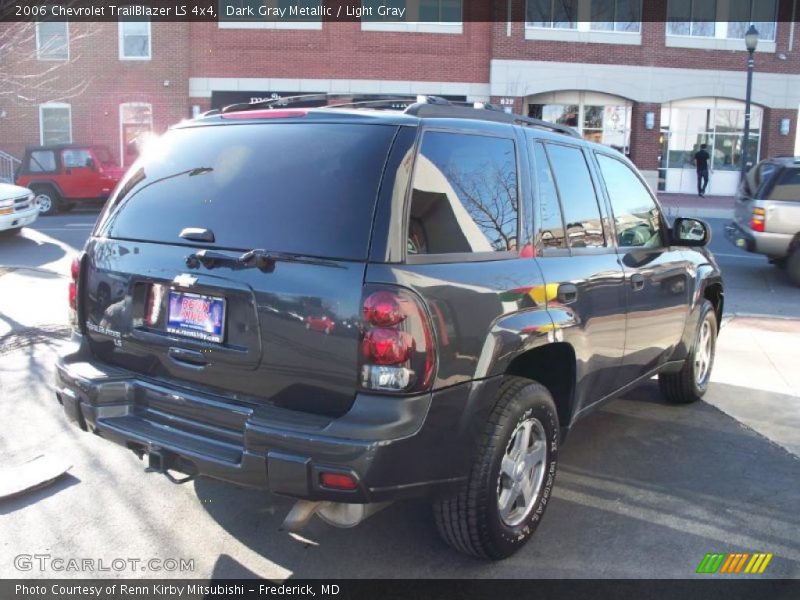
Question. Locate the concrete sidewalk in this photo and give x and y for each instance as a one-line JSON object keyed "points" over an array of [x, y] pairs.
{"points": [[690, 205], [756, 379]]}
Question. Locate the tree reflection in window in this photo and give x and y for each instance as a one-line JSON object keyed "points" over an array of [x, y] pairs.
{"points": [[465, 195]]}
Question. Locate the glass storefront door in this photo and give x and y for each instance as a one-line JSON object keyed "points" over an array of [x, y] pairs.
{"points": [[716, 122]]}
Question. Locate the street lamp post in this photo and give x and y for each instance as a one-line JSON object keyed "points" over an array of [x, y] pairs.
{"points": [[750, 41]]}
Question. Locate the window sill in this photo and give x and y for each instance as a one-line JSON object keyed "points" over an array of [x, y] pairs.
{"points": [[586, 37], [303, 25], [710, 43], [414, 27], [139, 58]]}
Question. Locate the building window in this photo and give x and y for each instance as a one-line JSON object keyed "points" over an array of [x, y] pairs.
{"points": [[55, 123], [136, 126], [585, 15], [598, 118], [721, 19], [52, 41], [134, 40], [422, 16]]}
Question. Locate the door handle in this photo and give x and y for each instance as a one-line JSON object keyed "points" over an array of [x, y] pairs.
{"points": [[567, 293], [188, 358], [637, 282]]}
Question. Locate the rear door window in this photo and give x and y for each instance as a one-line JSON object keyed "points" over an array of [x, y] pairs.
{"points": [[550, 222], [306, 189], [578, 199], [464, 197]]}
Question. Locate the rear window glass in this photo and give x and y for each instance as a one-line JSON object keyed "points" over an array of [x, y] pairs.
{"points": [[787, 186], [293, 188]]}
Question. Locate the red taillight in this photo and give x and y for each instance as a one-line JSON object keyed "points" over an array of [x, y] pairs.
{"points": [[338, 481], [72, 293], [382, 309], [74, 272], [387, 346], [397, 352], [759, 220]]}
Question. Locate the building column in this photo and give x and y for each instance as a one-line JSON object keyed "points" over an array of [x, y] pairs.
{"points": [[773, 142], [644, 146]]}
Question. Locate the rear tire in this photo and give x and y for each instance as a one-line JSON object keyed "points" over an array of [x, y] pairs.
{"points": [[498, 507], [793, 266], [691, 382], [47, 199]]}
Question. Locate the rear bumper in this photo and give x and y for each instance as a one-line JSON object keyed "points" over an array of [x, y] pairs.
{"points": [[770, 244], [394, 447]]}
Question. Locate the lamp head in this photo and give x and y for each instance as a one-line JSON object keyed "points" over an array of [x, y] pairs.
{"points": [[751, 39]]}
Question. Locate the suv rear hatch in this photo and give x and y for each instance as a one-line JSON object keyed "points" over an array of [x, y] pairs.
{"points": [[167, 294]]}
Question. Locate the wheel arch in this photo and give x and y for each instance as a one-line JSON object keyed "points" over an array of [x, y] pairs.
{"points": [[554, 366]]}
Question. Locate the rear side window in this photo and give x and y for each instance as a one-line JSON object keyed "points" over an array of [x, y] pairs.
{"points": [[578, 198], [42, 161], [636, 217], [464, 196], [787, 187], [298, 188]]}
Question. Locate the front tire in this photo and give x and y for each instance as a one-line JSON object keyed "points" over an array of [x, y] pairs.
{"points": [[691, 382], [48, 201], [498, 507]]}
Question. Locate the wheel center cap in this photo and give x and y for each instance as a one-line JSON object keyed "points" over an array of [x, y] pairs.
{"points": [[518, 470]]}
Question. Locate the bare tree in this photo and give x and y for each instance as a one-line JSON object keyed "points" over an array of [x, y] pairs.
{"points": [[25, 79]]}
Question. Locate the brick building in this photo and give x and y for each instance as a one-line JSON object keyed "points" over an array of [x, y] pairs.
{"points": [[624, 73]]}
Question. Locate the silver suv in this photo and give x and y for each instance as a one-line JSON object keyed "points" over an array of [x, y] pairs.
{"points": [[767, 216]]}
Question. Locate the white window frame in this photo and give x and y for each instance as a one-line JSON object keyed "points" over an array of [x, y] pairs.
{"points": [[121, 41], [314, 25], [42, 108], [720, 39], [582, 32], [453, 28], [122, 123], [38, 44]]}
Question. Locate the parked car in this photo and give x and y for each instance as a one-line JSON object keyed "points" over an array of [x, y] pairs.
{"points": [[767, 215], [64, 175], [479, 343], [17, 208]]}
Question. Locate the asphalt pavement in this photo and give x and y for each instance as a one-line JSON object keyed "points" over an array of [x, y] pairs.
{"points": [[644, 489]]}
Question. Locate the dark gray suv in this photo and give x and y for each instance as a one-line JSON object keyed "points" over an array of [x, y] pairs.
{"points": [[351, 307]]}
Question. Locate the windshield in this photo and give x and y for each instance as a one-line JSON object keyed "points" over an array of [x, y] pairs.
{"points": [[300, 188]]}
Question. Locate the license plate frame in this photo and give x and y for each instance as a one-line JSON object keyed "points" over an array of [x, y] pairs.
{"points": [[208, 328]]}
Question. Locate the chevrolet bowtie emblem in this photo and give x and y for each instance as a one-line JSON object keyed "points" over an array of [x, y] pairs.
{"points": [[185, 280]]}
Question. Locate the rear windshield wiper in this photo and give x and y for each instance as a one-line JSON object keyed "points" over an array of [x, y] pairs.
{"points": [[259, 259]]}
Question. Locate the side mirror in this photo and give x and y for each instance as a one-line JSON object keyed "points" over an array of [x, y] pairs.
{"points": [[690, 232], [90, 163]]}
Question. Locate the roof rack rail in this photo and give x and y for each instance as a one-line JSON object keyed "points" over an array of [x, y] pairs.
{"points": [[273, 102], [434, 106]]}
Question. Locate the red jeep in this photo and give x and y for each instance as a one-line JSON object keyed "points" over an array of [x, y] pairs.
{"points": [[64, 174]]}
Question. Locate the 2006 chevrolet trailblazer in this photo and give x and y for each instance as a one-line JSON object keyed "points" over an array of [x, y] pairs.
{"points": [[353, 306]]}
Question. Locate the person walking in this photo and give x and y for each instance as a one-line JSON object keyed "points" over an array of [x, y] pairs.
{"points": [[701, 158]]}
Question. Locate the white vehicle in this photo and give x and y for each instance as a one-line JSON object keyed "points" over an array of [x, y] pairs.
{"points": [[17, 208]]}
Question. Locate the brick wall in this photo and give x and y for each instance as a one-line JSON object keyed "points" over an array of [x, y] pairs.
{"points": [[772, 142], [106, 81]]}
